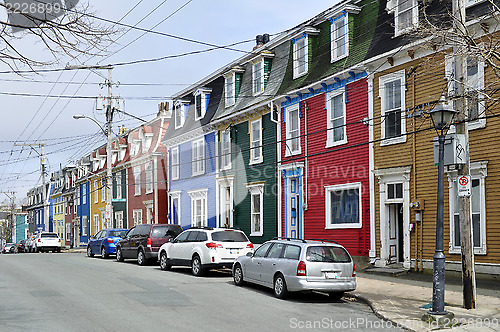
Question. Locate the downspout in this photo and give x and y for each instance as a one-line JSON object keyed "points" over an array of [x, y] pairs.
{"points": [[371, 175], [305, 205], [278, 173], [414, 164]]}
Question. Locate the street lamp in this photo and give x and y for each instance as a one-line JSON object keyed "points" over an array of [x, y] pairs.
{"points": [[80, 116], [442, 116]]}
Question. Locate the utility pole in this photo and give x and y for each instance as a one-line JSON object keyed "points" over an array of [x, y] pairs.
{"points": [[44, 190], [109, 120], [466, 242], [12, 196]]}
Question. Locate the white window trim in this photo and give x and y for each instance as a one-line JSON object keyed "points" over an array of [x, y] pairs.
{"points": [[149, 177], [175, 163], [449, 76], [84, 193], [260, 62], [204, 104], [119, 219], [252, 159], [288, 144], [297, 74], [333, 49], [256, 189], [137, 212], [196, 159], [341, 187], [96, 223], [330, 133], [230, 100], [382, 80], [478, 170], [84, 226], [229, 165], [103, 190], [118, 178], [174, 195], [196, 195], [414, 17], [137, 184], [180, 106]]}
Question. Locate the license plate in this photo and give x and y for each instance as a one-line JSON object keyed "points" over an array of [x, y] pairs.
{"points": [[331, 275], [234, 252]]}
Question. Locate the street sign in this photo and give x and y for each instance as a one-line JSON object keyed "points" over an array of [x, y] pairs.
{"points": [[464, 187]]}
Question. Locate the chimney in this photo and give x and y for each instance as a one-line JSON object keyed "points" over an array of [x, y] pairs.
{"points": [[163, 109], [261, 40]]}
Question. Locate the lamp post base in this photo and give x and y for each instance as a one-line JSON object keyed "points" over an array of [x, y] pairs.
{"points": [[438, 320]]}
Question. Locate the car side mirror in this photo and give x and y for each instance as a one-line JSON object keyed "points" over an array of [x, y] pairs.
{"points": [[249, 254], [123, 236], [172, 240]]}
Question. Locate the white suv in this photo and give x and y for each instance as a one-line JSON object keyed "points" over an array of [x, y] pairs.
{"points": [[46, 241], [204, 248]]}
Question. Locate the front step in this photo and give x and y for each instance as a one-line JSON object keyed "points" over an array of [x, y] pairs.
{"points": [[388, 271]]}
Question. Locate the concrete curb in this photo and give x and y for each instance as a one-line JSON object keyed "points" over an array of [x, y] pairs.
{"points": [[368, 302]]}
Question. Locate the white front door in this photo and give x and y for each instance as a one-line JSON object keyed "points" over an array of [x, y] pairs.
{"points": [[395, 221], [225, 205]]}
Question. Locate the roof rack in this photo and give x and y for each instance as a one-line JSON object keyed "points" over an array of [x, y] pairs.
{"points": [[288, 239], [324, 240], [205, 227]]}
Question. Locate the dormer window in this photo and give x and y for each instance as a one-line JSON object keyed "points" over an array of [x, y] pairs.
{"points": [[405, 15], [301, 52], [201, 99], [340, 37], [180, 112], [261, 69], [232, 85]]}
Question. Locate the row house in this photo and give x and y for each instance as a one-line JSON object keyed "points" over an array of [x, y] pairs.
{"points": [[120, 155], [146, 174], [58, 206], [81, 225], [408, 80], [39, 210], [98, 188], [323, 135], [68, 196], [191, 152]]}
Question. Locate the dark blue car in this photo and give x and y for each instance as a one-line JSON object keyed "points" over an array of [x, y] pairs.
{"points": [[104, 242]]}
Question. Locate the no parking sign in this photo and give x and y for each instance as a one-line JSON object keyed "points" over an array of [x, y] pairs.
{"points": [[464, 187]]}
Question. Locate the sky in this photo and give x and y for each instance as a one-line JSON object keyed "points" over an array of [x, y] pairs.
{"points": [[46, 115]]}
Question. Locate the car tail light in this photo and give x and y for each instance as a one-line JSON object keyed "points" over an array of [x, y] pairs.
{"points": [[353, 269], [250, 245], [110, 240], [149, 242], [39, 240], [301, 269], [213, 245]]}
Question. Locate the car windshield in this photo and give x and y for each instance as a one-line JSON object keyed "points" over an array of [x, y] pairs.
{"points": [[51, 235], [327, 254], [229, 236], [118, 233]]}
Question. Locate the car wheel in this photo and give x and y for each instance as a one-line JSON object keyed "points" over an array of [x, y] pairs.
{"points": [[164, 262], [336, 296], [104, 254], [238, 275], [119, 257], [58, 250], [280, 290], [141, 258], [89, 252], [196, 267]]}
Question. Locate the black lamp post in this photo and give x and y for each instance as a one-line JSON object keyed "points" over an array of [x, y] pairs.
{"points": [[71, 202], [442, 116]]}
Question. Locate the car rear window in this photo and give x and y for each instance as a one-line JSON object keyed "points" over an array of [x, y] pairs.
{"points": [[229, 236], [166, 231], [50, 235], [118, 233], [327, 254]]}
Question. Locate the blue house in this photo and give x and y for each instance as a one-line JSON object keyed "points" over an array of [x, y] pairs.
{"points": [[191, 148], [82, 187]]}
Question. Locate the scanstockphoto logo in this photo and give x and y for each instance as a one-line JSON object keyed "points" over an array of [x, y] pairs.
{"points": [[27, 14]]}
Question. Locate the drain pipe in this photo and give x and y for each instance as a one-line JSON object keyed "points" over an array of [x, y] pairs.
{"points": [[306, 168]]}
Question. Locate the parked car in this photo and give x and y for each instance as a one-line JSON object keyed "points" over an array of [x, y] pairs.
{"points": [[290, 265], [20, 246], [47, 241], [142, 242], [204, 248], [104, 242], [9, 248]]}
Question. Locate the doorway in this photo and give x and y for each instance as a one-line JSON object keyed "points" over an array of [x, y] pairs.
{"points": [[395, 230]]}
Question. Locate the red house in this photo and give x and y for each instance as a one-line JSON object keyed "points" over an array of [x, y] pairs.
{"points": [[147, 172], [324, 164]]}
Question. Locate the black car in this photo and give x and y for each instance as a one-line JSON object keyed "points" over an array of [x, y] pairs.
{"points": [[21, 246], [142, 242]]}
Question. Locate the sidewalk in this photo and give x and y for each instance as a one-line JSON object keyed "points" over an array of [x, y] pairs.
{"points": [[399, 299]]}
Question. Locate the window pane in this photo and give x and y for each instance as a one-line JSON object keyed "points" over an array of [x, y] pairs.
{"points": [[392, 124], [337, 106], [291, 252], [275, 251], [344, 206], [399, 190], [338, 131], [456, 222], [476, 196]]}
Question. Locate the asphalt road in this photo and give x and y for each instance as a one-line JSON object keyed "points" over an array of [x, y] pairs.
{"points": [[70, 292]]}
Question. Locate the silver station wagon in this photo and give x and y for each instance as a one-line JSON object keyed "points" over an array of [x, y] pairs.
{"points": [[293, 265]]}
